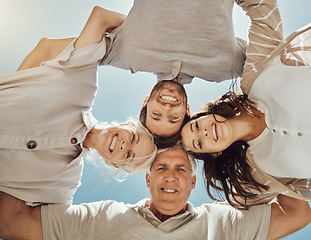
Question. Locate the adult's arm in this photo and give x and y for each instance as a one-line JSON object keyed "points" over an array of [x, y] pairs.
{"points": [[288, 215], [265, 34], [19, 221], [100, 21]]}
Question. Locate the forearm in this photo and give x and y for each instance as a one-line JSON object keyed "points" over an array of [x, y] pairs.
{"points": [[47, 49], [288, 215], [18, 221], [100, 21]]}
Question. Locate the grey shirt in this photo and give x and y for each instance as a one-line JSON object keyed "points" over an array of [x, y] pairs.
{"points": [[179, 39], [115, 220]]}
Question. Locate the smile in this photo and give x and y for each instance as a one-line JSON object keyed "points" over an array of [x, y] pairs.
{"points": [[169, 190], [214, 132], [113, 143], [169, 98]]}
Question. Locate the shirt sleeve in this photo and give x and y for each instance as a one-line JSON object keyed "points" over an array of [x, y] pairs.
{"points": [[243, 224], [265, 34], [75, 221]]}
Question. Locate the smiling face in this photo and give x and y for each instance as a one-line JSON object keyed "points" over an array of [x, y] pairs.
{"points": [[170, 182], [166, 108], [206, 135], [122, 144]]}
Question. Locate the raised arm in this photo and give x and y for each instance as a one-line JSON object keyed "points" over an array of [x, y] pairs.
{"points": [[265, 34], [18, 221], [100, 21], [288, 215]]}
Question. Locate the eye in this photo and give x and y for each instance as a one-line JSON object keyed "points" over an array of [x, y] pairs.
{"points": [[173, 117], [197, 125], [133, 137], [156, 114], [181, 170], [161, 169]]}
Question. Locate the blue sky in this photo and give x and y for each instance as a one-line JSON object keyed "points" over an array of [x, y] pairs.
{"points": [[120, 94]]}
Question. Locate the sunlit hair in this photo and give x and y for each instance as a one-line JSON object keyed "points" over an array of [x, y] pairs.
{"points": [[229, 172], [179, 146], [137, 164]]}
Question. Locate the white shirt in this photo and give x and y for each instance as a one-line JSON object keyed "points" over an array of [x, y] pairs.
{"points": [[283, 95]]}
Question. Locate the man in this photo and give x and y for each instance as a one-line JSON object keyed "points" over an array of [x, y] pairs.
{"points": [[167, 215], [166, 110]]}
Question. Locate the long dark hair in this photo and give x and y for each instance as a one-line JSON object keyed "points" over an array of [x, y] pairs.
{"points": [[229, 172]]}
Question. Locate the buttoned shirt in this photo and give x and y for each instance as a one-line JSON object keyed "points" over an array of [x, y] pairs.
{"points": [[46, 114], [266, 43]]}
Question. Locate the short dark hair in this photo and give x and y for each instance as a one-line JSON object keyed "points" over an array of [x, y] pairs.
{"points": [[161, 141]]}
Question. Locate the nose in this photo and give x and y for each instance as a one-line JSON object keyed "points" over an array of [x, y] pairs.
{"points": [[123, 145], [170, 176]]}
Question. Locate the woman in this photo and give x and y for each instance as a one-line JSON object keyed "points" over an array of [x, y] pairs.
{"points": [[47, 125], [265, 120]]}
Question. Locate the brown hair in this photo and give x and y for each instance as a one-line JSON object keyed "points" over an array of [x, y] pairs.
{"points": [[229, 172]]}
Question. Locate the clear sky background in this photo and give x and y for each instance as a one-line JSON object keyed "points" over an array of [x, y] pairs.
{"points": [[120, 94]]}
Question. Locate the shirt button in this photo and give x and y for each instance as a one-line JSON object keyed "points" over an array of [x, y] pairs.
{"points": [[182, 80], [74, 140], [299, 134], [31, 144], [284, 132], [176, 69], [273, 130]]}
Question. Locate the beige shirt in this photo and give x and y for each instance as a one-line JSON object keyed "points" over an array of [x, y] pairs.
{"points": [[176, 39], [116, 220], [265, 43], [45, 116]]}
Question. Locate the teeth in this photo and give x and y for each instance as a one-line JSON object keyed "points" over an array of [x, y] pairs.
{"points": [[113, 143], [214, 132], [169, 98], [169, 190]]}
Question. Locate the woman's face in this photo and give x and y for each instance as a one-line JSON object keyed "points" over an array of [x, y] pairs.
{"points": [[122, 144], [206, 135]]}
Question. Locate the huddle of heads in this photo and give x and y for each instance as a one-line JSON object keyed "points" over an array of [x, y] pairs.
{"points": [[164, 121]]}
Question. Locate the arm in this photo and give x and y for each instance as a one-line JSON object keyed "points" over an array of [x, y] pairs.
{"points": [[18, 221], [47, 49], [99, 22], [288, 215], [265, 34]]}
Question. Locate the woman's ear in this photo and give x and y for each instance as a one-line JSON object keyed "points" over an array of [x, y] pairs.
{"points": [[188, 110]]}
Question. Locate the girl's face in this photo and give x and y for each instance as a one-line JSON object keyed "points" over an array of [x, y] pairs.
{"points": [[206, 135], [122, 144]]}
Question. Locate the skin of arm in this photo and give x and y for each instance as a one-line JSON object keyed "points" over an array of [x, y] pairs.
{"points": [[19, 221], [288, 215], [100, 21]]}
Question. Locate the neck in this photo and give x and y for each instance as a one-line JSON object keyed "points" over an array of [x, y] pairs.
{"points": [[252, 125], [163, 217], [91, 138]]}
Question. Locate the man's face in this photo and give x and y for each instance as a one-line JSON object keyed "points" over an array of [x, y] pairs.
{"points": [[166, 108], [170, 182]]}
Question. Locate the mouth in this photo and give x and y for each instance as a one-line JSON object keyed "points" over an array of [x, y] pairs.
{"points": [[215, 136], [169, 98], [168, 190], [113, 142]]}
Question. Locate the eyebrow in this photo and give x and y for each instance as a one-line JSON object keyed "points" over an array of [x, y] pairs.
{"points": [[138, 138]]}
